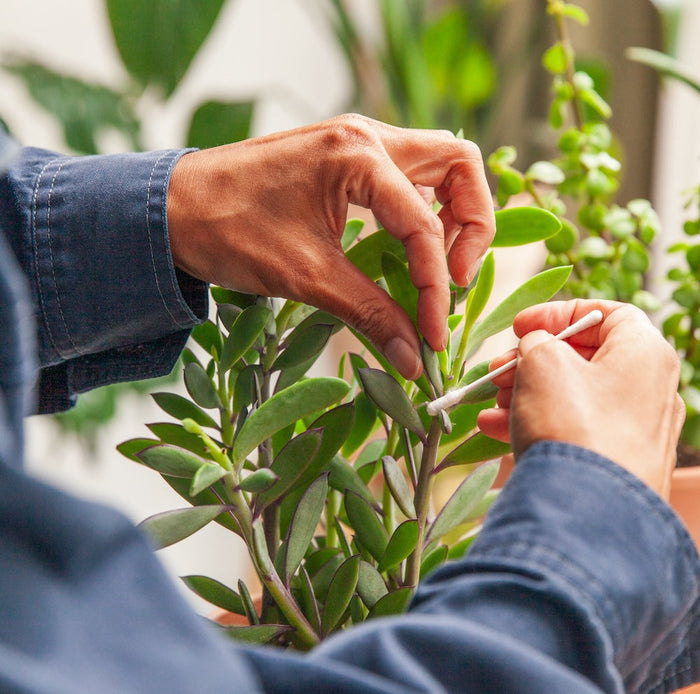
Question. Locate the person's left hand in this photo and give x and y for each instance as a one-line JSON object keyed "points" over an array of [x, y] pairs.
{"points": [[265, 216]]}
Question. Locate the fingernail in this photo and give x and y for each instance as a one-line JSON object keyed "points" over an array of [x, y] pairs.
{"points": [[403, 357]]}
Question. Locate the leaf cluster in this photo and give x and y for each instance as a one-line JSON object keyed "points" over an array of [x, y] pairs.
{"points": [[329, 480]]}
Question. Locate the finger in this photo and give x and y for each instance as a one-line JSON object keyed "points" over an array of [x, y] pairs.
{"points": [[404, 214], [504, 380], [554, 316], [349, 294], [504, 397], [494, 423], [455, 169]]}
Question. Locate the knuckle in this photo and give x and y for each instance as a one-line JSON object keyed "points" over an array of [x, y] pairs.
{"points": [[348, 130]]}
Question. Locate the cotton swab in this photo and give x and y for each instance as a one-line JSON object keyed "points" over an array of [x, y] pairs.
{"points": [[454, 397]]}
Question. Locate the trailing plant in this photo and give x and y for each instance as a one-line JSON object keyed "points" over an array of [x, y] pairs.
{"points": [[682, 325], [608, 244], [329, 481]]}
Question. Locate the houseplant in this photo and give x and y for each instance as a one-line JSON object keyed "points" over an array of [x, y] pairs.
{"points": [[333, 542]]}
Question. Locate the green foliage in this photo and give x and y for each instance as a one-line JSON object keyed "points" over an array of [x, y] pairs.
{"points": [[608, 244], [157, 40], [334, 540], [428, 68]]}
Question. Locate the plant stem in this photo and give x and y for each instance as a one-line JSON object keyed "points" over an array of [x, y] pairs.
{"points": [[563, 33], [257, 545], [422, 499]]}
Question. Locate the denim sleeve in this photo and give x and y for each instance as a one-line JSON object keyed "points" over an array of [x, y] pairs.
{"points": [[582, 580], [91, 236]]}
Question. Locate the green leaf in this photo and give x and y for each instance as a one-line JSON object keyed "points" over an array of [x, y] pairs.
{"points": [[244, 334], [84, 110], [340, 590], [206, 497], [131, 448], [401, 288], [303, 344], [304, 522], [289, 405], [220, 122], [517, 226], [344, 477], [555, 59], [370, 584], [367, 253], [483, 393], [215, 593], [228, 314], [182, 408], [479, 296], [365, 422], [369, 530], [169, 527], [208, 336], [200, 387], [205, 477], [392, 603], [431, 560], [401, 544], [398, 486], [578, 14], [170, 460], [335, 426], [259, 481], [665, 65], [474, 450], [158, 39], [431, 366], [175, 434], [353, 228], [245, 390], [289, 465], [536, 290], [545, 172], [463, 500], [257, 634], [388, 395]]}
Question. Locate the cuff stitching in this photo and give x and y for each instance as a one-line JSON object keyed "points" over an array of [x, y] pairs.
{"points": [[35, 247], [53, 268], [150, 242]]}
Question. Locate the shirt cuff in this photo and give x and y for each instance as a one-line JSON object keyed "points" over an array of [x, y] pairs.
{"points": [[611, 541]]}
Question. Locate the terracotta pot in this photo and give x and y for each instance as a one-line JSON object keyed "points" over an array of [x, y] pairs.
{"points": [[685, 498]]}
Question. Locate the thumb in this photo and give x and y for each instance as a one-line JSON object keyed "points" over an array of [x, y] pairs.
{"points": [[353, 297], [532, 340]]}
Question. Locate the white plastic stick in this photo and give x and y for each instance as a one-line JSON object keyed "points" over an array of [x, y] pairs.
{"points": [[453, 397]]}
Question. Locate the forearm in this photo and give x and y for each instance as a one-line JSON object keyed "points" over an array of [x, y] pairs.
{"points": [[91, 236]]}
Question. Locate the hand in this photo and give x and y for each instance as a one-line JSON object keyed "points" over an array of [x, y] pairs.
{"points": [[266, 215], [614, 393]]}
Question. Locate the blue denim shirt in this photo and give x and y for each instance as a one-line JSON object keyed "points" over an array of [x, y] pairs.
{"points": [[582, 580]]}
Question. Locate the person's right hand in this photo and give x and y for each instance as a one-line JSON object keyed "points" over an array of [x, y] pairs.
{"points": [[614, 393]]}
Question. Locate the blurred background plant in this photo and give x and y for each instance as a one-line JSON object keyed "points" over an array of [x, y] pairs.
{"points": [[464, 65], [156, 42], [682, 326]]}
